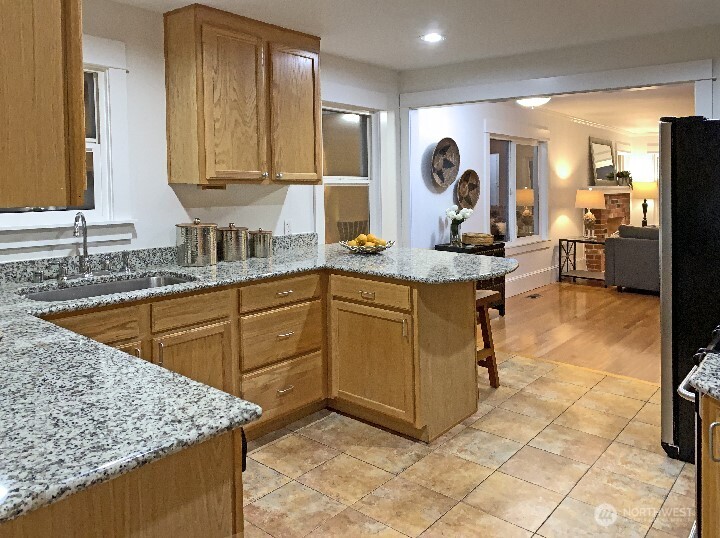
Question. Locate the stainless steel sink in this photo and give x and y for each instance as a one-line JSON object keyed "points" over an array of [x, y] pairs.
{"points": [[106, 288]]}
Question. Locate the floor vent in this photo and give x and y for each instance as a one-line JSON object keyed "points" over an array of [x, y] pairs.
{"points": [[534, 296]]}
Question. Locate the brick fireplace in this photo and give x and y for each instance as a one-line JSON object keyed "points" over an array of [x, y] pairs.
{"points": [[608, 220]]}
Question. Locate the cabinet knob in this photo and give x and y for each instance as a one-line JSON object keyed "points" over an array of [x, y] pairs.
{"points": [[265, 175], [278, 175]]}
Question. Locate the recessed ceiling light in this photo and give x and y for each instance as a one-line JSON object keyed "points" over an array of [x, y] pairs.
{"points": [[432, 37], [532, 102]]}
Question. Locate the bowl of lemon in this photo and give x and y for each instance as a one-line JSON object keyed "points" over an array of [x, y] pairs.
{"points": [[367, 244]]}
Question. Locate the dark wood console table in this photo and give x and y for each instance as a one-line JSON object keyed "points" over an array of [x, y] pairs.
{"points": [[496, 249], [567, 257]]}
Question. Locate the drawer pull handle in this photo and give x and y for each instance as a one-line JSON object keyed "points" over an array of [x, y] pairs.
{"points": [[161, 352], [286, 335], [285, 391], [404, 328], [284, 293], [711, 442], [370, 295], [137, 352]]}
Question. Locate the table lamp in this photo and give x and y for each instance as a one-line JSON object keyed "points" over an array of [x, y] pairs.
{"points": [[645, 190], [589, 199]]}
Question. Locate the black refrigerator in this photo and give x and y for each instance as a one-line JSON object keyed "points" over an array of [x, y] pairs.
{"points": [[690, 272]]}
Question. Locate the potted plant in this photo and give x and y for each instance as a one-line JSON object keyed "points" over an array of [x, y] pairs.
{"points": [[624, 178], [456, 219]]}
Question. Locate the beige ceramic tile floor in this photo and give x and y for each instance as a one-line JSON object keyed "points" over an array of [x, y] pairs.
{"points": [[557, 451]]}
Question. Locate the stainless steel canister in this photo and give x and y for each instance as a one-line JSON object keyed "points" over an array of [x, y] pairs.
{"points": [[196, 244], [261, 241], [232, 243]]}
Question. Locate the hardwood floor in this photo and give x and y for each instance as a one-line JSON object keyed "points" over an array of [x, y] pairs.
{"points": [[587, 326]]}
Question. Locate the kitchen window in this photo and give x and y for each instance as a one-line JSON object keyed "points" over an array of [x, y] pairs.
{"points": [[349, 191], [517, 180], [97, 196]]}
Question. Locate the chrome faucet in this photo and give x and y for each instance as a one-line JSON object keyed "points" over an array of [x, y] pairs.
{"points": [[81, 226]]}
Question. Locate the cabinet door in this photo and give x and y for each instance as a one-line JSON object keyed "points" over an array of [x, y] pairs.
{"points": [[372, 359], [131, 348], [710, 470], [202, 354], [41, 104], [234, 105], [296, 139]]}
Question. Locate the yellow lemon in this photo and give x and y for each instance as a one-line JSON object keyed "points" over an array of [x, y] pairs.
{"points": [[361, 239], [380, 242], [369, 244], [352, 243], [371, 237]]}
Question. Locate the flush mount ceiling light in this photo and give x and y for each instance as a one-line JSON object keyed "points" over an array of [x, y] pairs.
{"points": [[532, 102], [432, 37]]}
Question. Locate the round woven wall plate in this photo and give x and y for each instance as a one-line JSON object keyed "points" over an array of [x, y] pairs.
{"points": [[468, 189], [445, 162]]}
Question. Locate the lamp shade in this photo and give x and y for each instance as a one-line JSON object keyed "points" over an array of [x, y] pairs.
{"points": [[525, 197], [646, 189], [590, 199]]}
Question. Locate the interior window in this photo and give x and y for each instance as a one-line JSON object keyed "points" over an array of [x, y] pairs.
{"points": [[347, 182], [526, 191], [499, 187]]}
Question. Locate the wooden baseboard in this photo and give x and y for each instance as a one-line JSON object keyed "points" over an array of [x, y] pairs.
{"points": [[253, 432], [378, 419]]}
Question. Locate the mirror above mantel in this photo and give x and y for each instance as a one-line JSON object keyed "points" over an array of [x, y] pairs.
{"points": [[602, 163]]}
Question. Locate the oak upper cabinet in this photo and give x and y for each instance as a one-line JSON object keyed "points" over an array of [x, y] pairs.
{"points": [[372, 364], [295, 114], [234, 105], [243, 100], [200, 353], [41, 104]]}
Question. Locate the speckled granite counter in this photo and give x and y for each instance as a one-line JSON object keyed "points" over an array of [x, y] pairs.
{"points": [[74, 412], [707, 377]]}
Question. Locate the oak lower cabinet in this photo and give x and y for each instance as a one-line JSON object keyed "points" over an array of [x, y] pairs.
{"points": [[187, 494], [710, 468], [41, 104], [402, 355], [131, 348], [243, 100], [200, 353], [373, 364]]}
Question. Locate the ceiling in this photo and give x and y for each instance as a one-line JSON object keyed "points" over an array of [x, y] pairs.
{"points": [[636, 110], [386, 32]]}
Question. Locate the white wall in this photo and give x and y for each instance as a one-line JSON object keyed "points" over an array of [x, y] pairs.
{"points": [[696, 44], [568, 159], [154, 206]]}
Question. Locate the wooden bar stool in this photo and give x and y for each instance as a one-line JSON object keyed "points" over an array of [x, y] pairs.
{"points": [[485, 355]]}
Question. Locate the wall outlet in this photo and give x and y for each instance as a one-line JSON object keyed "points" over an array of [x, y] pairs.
{"points": [[286, 228]]}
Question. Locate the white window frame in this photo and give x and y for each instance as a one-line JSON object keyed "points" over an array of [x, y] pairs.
{"points": [[511, 238], [372, 180]]}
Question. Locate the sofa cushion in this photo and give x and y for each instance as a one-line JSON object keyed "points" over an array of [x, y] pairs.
{"points": [[639, 232]]}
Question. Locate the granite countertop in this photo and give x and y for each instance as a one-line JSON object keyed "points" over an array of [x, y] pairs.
{"points": [[706, 378], [74, 412]]}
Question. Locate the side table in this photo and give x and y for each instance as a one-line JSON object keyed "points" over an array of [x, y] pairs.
{"points": [[567, 258]]}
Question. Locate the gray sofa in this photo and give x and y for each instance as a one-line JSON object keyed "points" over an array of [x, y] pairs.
{"points": [[633, 259]]}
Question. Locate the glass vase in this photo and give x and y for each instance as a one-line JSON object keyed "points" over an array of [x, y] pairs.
{"points": [[455, 238]]}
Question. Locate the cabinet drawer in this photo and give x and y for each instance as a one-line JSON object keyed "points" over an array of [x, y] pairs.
{"points": [[285, 387], [279, 334], [106, 326], [370, 291], [191, 310], [279, 292]]}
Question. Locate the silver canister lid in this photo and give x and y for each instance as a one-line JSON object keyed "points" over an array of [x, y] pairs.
{"points": [[197, 224], [231, 227]]}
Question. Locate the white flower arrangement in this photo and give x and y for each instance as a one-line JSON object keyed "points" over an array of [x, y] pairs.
{"points": [[460, 216]]}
